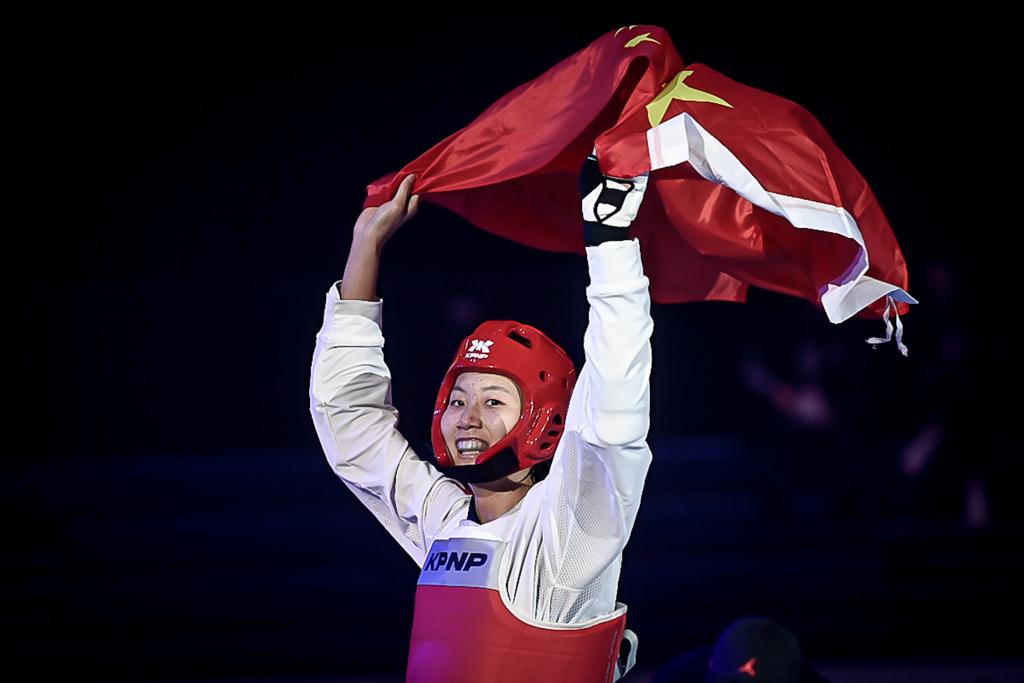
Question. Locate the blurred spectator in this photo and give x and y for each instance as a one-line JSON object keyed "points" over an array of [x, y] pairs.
{"points": [[749, 650], [951, 454]]}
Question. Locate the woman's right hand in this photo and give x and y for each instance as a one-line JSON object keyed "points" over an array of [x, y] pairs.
{"points": [[376, 224]]}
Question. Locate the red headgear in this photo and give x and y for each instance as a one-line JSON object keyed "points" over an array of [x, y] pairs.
{"points": [[545, 375]]}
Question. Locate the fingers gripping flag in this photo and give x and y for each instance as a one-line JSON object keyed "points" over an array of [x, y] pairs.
{"points": [[749, 189]]}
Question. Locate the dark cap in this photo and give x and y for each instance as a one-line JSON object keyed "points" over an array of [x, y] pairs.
{"points": [[750, 650], [755, 650]]}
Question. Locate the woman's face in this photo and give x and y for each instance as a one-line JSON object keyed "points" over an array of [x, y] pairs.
{"points": [[483, 408]]}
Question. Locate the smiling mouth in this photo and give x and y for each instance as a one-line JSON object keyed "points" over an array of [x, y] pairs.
{"points": [[470, 448]]}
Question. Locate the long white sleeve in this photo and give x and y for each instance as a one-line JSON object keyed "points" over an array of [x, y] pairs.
{"points": [[350, 402], [588, 504]]}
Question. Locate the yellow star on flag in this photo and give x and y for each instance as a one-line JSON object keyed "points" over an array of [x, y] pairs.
{"points": [[676, 89]]}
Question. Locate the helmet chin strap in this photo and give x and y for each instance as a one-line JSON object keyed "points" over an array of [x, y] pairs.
{"points": [[501, 465]]}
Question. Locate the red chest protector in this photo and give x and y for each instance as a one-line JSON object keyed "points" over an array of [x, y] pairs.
{"points": [[464, 633]]}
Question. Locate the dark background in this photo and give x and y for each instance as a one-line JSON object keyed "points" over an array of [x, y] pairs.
{"points": [[192, 184]]}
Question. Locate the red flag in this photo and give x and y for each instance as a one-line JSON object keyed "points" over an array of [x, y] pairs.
{"points": [[764, 197]]}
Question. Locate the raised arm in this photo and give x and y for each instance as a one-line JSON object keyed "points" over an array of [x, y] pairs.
{"points": [[597, 477], [350, 396]]}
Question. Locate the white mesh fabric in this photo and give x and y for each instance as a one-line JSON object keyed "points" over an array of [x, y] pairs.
{"points": [[584, 532], [588, 530], [567, 540]]}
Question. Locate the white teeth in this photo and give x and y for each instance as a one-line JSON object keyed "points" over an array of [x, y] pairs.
{"points": [[470, 446]]}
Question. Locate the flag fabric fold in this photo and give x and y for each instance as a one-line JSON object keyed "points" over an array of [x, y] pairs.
{"points": [[749, 188]]}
